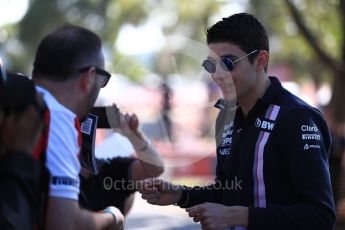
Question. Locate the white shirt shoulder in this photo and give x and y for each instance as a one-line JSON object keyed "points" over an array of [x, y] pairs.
{"points": [[63, 149]]}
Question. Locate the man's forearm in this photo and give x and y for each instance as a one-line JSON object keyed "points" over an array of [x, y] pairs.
{"points": [[151, 161], [66, 214], [84, 220]]}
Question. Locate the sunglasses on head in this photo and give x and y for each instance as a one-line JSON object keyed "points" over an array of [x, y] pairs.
{"points": [[99, 71], [225, 62]]}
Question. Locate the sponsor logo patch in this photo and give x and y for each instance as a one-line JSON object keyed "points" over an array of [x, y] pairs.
{"points": [[86, 126], [311, 137], [227, 141], [306, 147], [225, 134], [309, 128], [224, 151], [225, 146], [64, 181], [265, 125], [228, 126]]}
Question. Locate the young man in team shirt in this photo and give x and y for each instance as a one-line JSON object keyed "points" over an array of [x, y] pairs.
{"points": [[271, 143]]}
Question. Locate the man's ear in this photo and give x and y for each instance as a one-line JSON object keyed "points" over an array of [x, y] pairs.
{"points": [[86, 80], [262, 60]]}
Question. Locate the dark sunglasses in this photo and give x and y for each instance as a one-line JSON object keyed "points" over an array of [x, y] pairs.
{"points": [[99, 71], [225, 62]]}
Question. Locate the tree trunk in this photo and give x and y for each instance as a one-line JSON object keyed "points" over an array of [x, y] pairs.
{"points": [[337, 103], [337, 67]]}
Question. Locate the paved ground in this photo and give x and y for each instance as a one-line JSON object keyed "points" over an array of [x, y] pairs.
{"points": [[144, 216]]}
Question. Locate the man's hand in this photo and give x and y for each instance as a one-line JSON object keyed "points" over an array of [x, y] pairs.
{"points": [[159, 192], [341, 210], [129, 125], [217, 216]]}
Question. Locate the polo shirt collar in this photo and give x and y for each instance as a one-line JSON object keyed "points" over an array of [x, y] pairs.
{"points": [[268, 97]]}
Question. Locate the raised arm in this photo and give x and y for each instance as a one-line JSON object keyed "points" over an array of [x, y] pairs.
{"points": [[148, 163]]}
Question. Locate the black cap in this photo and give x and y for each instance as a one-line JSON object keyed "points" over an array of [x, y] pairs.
{"points": [[18, 91]]}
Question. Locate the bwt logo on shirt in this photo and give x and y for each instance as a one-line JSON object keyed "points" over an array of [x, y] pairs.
{"points": [[266, 125]]}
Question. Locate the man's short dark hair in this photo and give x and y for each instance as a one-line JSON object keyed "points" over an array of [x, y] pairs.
{"points": [[240, 29], [64, 51]]}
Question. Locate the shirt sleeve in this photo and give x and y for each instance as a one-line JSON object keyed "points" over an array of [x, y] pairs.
{"points": [[117, 168], [306, 141], [110, 187], [62, 155], [198, 195]]}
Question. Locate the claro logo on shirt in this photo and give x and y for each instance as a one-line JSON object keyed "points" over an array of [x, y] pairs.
{"points": [[310, 132], [309, 128], [265, 125]]}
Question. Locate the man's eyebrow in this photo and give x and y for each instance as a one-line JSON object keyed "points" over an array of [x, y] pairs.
{"points": [[231, 56]]}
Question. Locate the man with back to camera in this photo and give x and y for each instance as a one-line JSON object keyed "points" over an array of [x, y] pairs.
{"points": [[69, 72], [21, 172], [276, 147]]}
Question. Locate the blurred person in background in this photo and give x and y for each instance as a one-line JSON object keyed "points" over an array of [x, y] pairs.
{"points": [[116, 183], [69, 71], [337, 166], [336, 153], [272, 147], [21, 172]]}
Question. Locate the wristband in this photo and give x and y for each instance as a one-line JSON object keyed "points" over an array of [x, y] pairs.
{"points": [[108, 211]]}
